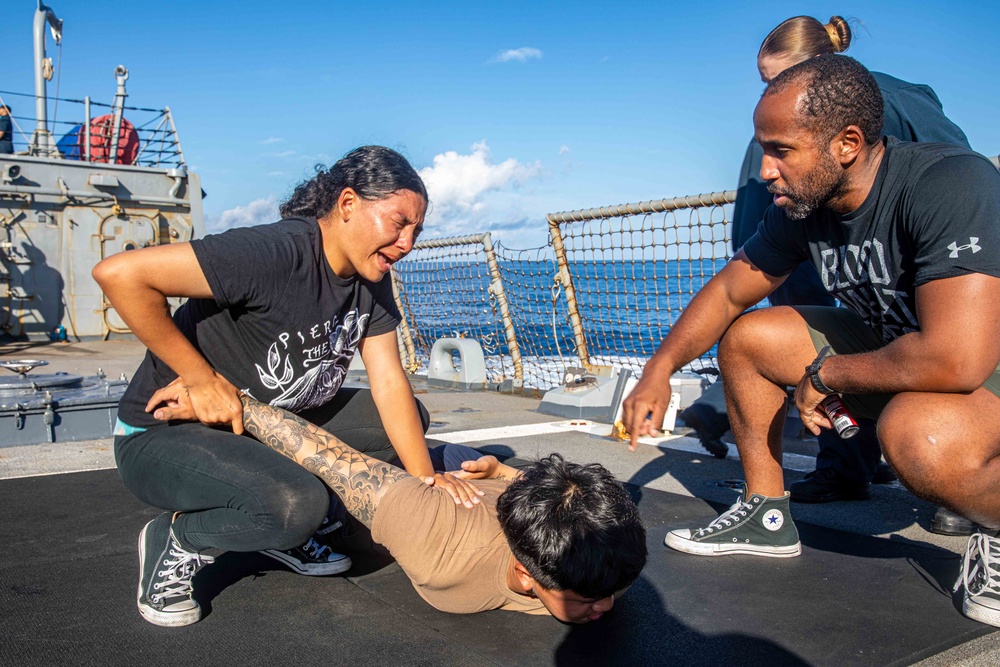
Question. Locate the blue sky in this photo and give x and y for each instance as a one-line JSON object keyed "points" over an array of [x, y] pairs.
{"points": [[600, 103]]}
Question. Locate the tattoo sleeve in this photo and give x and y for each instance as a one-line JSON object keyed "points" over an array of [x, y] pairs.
{"points": [[359, 480]]}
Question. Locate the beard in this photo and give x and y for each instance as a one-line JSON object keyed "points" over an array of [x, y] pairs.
{"points": [[818, 187]]}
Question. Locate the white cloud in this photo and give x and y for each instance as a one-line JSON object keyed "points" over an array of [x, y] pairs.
{"points": [[521, 55], [257, 212], [271, 140], [465, 190], [563, 149]]}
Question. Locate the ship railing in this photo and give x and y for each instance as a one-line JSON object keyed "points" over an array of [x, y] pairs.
{"points": [[461, 287], [159, 144], [602, 294], [628, 271]]}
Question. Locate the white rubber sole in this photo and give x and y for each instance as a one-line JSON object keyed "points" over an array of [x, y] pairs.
{"points": [[343, 564], [679, 543], [165, 619], [980, 612]]}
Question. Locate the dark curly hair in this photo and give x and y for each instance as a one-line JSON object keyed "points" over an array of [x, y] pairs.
{"points": [[839, 91], [374, 172], [573, 527]]}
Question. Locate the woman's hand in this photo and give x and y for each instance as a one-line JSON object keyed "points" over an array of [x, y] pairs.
{"points": [[212, 403], [463, 492]]}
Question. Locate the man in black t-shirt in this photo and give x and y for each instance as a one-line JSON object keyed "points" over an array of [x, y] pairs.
{"points": [[907, 237]]}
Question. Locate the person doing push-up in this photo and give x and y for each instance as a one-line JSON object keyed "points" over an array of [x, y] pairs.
{"points": [[557, 538]]}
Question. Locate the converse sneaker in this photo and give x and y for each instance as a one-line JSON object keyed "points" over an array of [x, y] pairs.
{"points": [[313, 558], [980, 576], [757, 525], [165, 572]]}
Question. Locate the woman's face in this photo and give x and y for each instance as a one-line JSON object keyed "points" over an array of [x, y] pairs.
{"points": [[773, 65], [380, 232]]}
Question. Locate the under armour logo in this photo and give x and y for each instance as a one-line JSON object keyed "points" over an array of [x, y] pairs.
{"points": [[973, 244]]}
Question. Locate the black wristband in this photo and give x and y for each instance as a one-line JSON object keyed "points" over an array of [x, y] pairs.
{"points": [[812, 370]]}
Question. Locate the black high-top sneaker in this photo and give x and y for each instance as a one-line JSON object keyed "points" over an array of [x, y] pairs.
{"points": [[755, 525], [314, 559], [165, 572]]}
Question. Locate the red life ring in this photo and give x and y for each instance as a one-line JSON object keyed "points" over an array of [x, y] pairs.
{"points": [[101, 130]]}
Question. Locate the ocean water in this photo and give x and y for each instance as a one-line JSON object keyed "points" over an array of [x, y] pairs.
{"points": [[625, 307]]}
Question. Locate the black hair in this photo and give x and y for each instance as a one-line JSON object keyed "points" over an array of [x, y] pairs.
{"points": [[839, 91], [9, 110], [374, 172], [573, 527]]}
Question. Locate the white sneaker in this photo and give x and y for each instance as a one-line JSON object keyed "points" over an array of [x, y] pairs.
{"points": [[980, 577]]}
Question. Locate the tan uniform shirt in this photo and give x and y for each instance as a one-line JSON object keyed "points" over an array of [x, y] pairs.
{"points": [[456, 558]]}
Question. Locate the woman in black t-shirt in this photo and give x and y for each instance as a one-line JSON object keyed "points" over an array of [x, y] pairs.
{"points": [[277, 312]]}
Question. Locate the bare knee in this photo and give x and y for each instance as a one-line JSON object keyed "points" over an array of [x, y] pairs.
{"points": [[922, 455], [773, 341]]}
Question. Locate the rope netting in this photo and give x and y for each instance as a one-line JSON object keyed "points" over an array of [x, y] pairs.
{"points": [[605, 292], [633, 275], [443, 291]]}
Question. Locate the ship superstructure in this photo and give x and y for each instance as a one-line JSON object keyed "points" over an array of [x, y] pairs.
{"points": [[111, 179]]}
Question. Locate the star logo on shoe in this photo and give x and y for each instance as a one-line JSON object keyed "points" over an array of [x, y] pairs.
{"points": [[773, 520]]}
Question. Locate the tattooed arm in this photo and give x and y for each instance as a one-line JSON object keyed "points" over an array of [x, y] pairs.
{"points": [[359, 480]]}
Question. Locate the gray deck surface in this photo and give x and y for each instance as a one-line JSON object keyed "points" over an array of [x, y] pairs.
{"points": [[872, 586]]}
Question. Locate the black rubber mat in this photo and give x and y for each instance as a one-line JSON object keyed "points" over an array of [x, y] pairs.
{"points": [[67, 597]]}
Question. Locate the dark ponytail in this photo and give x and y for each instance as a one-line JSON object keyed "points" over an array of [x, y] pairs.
{"points": [[374, 172]]}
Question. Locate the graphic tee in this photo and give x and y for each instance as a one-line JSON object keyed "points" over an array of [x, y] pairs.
{"points": [[456, 558], [283, 327], [933, 212]]}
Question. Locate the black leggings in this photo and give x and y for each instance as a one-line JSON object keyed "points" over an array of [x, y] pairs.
{"points": [[236, 493]]}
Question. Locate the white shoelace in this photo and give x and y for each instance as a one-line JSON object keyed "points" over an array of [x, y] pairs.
{"points": [[727, 518], [180, 570], [315, 549], [983, 575]]}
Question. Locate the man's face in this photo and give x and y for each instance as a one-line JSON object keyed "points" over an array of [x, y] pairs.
{"points": [[798, 165], [570, 607], [3, 111]]}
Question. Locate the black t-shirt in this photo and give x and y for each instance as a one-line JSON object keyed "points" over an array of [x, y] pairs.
{"points": [[933, 212], [282, 327]]}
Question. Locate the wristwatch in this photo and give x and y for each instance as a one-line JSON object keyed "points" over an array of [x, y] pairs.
{"points": [[812, 370]]}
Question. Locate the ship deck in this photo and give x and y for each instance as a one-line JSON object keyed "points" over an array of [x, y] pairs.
{"points": [[872, 587]]}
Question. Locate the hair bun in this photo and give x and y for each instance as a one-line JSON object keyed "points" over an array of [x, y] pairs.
{"points": [[839, 32]]}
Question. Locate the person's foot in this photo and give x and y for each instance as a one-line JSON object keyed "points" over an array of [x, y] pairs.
{"points": [[758, 526], [980, 579], [709, 440], [946, 522], [165, 572], [825, 486], [883, 474], [313, 558]]}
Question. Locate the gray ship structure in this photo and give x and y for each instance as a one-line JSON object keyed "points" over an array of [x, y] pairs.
{"points": [[111, 178]]}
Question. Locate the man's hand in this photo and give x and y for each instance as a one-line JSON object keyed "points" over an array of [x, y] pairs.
{"points": [[807, 401], [463, 492], [485, 467], [643, 410], [212, 403]]}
